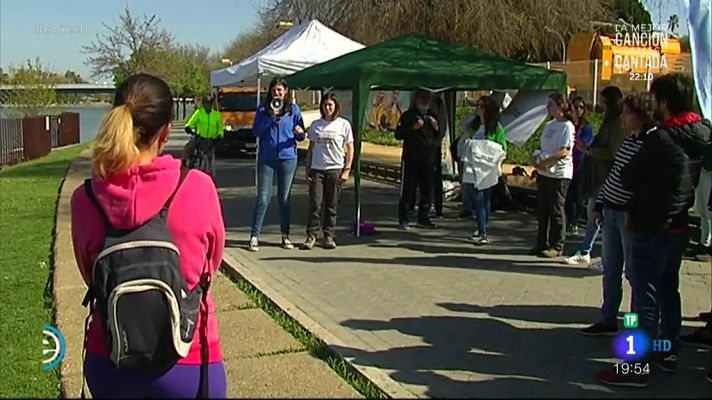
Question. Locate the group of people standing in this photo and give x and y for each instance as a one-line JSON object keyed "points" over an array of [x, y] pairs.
{"points": [[641, 187], [638, 177], [328, 163]]}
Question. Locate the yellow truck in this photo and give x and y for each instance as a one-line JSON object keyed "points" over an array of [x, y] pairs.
{"points": [[237, 106]]}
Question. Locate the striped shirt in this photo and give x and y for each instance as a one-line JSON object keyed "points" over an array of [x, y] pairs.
{"points": [[612, 193]]}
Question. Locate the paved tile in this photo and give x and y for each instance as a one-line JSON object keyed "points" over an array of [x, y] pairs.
{"points": [[438, 316], [294, 375], [249, 333]]}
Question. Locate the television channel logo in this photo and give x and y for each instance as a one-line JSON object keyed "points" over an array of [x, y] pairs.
{"points": [[54, 347]]}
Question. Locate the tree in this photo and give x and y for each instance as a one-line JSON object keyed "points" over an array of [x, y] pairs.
{"points": [[73, 77], [4, 77], [673, 23], [128, 47], [35, 94], [510, 28], [633, 12]]}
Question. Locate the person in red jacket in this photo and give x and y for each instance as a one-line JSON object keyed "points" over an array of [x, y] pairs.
{"points": [[131, 181]]}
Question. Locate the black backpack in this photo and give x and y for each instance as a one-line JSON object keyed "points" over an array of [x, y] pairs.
{"points": [[139, 289]]}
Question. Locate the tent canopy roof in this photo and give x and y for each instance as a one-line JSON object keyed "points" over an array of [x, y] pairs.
{"points": [[416, 60], [300, 47]]}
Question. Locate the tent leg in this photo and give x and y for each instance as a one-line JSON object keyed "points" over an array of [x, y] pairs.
{"points": [[358, 97], [257, 140]]}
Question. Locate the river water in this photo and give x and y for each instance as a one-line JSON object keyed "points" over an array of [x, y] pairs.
{"points": [[90, 117]]}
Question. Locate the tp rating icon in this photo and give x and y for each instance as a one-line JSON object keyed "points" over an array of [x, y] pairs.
{"points": [[630, 320]]}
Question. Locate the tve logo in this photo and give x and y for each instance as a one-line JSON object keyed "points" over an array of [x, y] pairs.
{"points": [[55, 353], [661, 345]]}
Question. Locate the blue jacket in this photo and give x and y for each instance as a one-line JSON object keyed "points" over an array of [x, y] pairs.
{"points": [[277, 139]]}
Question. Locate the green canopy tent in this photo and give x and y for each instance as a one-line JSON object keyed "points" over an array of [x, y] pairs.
{"points": [[417, 61]]}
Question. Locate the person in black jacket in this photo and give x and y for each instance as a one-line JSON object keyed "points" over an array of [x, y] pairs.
{"points": [[662, 178], [418, 128]]}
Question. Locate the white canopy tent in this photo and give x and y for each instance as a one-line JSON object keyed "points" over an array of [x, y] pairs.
{"points": [[302, 46]]}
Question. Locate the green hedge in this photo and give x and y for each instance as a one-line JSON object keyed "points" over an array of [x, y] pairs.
{"points": [[515, 154]]}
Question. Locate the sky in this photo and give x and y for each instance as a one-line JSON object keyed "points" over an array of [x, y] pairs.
{"points": [[56, 30]]}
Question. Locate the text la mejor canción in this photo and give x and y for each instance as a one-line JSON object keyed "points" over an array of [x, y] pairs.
{"points": [[644, 35]]}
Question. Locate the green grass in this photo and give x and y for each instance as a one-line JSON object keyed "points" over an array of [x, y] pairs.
{"points": [[515, 154], [28, 202], [386, 138], [313, 344]]}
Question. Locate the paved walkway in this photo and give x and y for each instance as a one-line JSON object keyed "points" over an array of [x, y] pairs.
{"points": [[263, 361], [427, 314]]}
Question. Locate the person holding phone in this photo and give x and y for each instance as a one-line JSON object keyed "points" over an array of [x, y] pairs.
{"points": [[418, 128]]}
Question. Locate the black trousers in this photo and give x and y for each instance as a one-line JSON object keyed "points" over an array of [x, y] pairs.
{"points": [[324, 190], [438, 185], [416, 175], [550, 212]]}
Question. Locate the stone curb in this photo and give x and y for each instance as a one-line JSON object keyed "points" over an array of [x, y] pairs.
{"points": [[66, 276]]}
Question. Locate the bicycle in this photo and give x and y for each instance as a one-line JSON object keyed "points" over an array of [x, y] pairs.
{"points": [[200, 159]]}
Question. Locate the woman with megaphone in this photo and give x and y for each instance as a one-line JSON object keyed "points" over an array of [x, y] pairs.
{"points": [[278, 126]]}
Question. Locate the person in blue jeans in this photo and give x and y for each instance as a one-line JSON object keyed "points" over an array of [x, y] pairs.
{"points": [[609, 211], [278, 126], [597, 162], [662, 177], [476, 190]]}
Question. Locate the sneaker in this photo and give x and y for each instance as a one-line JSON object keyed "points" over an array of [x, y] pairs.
{"points": [[703, 257], [599, 329], [309, 243], [578, 258], [254, 244], [483, 241], [611, 378], [667, 364], [329, 243], [475, 235], [701, 337], [404, 226], [426, 223], [550, 253], [596, 267], [286, 243]]}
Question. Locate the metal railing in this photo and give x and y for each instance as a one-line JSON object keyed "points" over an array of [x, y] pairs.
{"points": [[11, 143]]}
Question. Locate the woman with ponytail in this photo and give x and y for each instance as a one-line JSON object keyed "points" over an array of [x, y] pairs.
{"points": [[131, 182]]}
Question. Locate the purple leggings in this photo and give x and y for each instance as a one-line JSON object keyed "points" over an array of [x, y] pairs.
{"points": [[181, 381]]}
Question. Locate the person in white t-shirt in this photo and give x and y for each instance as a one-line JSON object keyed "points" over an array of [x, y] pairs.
{"points": [[554, 166], [331, 150]]}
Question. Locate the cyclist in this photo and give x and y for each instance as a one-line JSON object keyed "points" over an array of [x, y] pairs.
{"points": [[206, 125]]}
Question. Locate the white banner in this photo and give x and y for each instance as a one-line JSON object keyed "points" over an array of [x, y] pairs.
{"points": [[524, 115], [699, 23]]}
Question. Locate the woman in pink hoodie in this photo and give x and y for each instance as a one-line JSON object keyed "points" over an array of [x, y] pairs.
{"points": [[132, 181]]}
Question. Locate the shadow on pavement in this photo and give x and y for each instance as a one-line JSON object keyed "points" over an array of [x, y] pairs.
{"points": [[464, 352]]}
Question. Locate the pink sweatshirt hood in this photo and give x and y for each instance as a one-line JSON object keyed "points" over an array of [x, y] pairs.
{"points": [[131, 198]]}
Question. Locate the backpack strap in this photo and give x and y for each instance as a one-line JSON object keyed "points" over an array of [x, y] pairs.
{"points": [[204, 352], [90, 193], [183, 173]]}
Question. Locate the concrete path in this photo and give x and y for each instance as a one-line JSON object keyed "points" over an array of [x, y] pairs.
{"points": [[427, 314], [263, 361]]}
